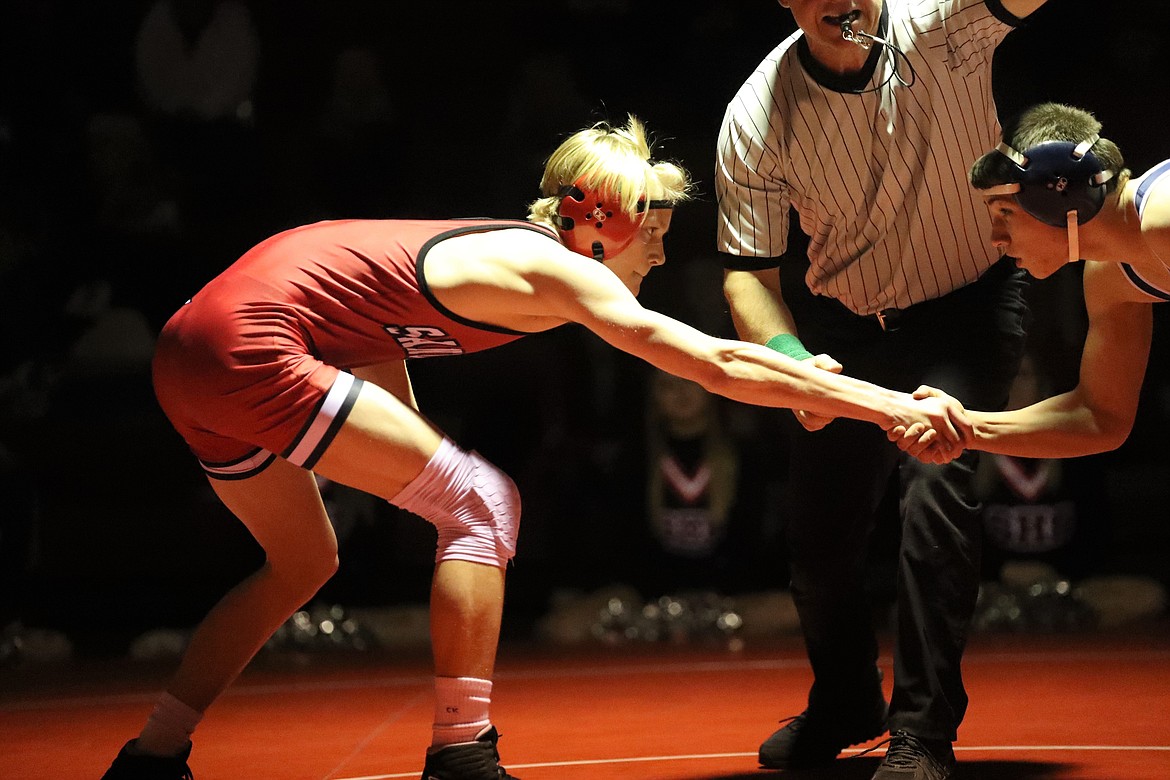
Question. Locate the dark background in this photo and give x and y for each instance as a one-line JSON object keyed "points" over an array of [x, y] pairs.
{"points": [[112, 213]]}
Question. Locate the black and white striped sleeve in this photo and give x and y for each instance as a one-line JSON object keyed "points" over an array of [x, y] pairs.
{"points": [[753, 198]]}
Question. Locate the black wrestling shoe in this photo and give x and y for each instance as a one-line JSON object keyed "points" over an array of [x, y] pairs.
{"points": [[479, 760], [911, 758], [137, 766], [814, 737]]}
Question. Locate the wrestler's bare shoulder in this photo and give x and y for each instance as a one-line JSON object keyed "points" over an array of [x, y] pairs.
{"points": [[495, 276]]}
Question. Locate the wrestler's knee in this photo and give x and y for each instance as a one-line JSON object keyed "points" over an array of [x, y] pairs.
{"points": [[474, 505], [501, 501], [303, 571]]}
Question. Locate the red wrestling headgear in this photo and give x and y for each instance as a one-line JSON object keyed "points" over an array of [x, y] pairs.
{"points": [[592, 222]]}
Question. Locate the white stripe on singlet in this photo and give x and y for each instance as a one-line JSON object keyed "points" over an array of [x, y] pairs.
{"points": [[879, 179], [312, 441], [1159, 175], [240, 469], [335, 402]]}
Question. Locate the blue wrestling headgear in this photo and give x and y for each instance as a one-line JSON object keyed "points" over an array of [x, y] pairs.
{"points": [[1056, 181]]}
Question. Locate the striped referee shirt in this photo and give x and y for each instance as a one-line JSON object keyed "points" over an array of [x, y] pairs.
{"points": [[876, 170]]}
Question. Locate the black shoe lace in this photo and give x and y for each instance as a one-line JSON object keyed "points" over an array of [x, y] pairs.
{"points": [[501, 773], [872, 748], [795, 720], [906, 752]]}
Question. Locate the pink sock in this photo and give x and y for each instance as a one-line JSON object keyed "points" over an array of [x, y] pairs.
{"points": [[461, 709]]}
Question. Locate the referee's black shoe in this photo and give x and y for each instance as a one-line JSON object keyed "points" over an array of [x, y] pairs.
{"points": [[478, 760], [911, 758], [814, 738]]}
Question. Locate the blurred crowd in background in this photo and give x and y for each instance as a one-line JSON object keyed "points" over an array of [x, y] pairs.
{"points": [[145, 145]]}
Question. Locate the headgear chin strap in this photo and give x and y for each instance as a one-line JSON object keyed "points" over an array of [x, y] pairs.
{"points": [[1057, 182], [593, 223]]}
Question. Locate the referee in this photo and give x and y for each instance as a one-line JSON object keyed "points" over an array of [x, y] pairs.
{"points": [[852, 238]]}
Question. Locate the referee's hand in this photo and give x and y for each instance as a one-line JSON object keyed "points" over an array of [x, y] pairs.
{"points": [[810, 420]]}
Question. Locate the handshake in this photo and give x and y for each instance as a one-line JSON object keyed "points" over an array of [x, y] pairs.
{"points": [[939, 429]]}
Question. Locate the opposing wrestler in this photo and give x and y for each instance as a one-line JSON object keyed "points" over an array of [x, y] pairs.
{"points": [[1059, 193], [293, 361]]}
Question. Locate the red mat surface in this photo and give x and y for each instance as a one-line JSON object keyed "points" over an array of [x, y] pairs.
{"points": [[1084, 707]]}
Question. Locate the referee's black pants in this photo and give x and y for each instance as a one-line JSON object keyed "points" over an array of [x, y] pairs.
{"points": [[968, 343]]}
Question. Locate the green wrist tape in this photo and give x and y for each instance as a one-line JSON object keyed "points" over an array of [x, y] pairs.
{"points": [[788, 344]]}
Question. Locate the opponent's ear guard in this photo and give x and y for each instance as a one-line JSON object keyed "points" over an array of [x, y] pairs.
{"points": [[593, 223], [1054, 179]]}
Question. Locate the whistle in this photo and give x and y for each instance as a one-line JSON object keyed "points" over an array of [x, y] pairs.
{"points": [[847, 22]]}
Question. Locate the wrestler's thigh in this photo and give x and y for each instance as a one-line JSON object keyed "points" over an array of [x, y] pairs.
{"points": [[381, 447], [281, 506]]}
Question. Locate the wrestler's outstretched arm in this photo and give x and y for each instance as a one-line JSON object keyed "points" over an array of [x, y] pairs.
{"points": [[1095, 416], [751, 373]]}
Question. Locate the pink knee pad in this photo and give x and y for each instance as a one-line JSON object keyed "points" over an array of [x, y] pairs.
{"points": [[474, 505]]}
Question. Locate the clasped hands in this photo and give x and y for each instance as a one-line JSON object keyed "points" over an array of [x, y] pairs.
{"points": [[939, 432], [942, 433]]}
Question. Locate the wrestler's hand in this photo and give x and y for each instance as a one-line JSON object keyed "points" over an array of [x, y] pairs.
{"points": [[944, 435], [810, 420]]}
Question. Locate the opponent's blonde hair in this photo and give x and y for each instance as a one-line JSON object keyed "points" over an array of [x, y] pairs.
{"points": [[613, 159]]}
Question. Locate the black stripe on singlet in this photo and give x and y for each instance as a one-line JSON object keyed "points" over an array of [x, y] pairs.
{"points": [[1142, 284]]}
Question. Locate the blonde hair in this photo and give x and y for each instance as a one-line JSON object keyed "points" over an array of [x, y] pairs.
{"points": [[611, 159]]}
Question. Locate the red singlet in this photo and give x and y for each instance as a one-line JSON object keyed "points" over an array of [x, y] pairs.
{"points": [[255, 364]]}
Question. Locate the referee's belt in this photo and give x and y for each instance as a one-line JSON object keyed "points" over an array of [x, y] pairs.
{"points": [[890, 319]]}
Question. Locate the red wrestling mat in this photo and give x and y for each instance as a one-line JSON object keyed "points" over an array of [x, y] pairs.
{"points": [[1084, 707]]}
